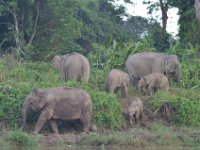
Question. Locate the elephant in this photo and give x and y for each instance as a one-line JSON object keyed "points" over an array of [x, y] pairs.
{"points": [[149, 84], [73, 66], [135, 110], [65, 103], [117, 79], [144, 63]]}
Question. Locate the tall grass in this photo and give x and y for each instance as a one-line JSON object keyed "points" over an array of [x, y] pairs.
{"points": [[20, 79], [20, 138]]}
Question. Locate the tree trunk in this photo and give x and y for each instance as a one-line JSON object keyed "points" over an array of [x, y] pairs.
{"points": [[35, 24], [197, 8], [17, 34], [164, 8]]}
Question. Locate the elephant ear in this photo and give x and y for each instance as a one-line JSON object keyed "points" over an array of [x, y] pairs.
{"points": [[56, 61], [171, 64], [38, 92], [146, 80]]}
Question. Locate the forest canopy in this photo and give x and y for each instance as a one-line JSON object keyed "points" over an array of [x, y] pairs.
{"points": [[37, 30]]}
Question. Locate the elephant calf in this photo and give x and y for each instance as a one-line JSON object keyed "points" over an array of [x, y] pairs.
{"points": [[117, 79], [64, 103], [151, 83], [135, 111], [144, 63]]}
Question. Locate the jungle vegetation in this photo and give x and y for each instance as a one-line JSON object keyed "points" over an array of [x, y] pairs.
{"points": [[33, 31]]}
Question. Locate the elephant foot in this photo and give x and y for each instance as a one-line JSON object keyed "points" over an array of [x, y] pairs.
{"points": [[93, 128], [35, 133]]}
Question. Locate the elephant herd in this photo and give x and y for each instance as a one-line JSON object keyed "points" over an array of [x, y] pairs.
{"points": [[145, 70]]}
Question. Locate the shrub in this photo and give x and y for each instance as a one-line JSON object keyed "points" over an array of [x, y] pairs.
{"points": [[21, 79], [21, 138], [190, 74], [186, 102], [17, 82], [107, 111]]}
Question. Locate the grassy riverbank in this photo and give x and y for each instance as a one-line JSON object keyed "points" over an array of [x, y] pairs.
{"points": [[179, 126], [153, 135]]}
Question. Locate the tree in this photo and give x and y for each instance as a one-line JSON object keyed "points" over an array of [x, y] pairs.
{"points": [[197, 8], [22, 28], [189, 30], [163, 5]]}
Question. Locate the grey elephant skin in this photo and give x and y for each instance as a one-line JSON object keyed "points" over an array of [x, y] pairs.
{"points": [[117, 79], [141, 64], [73, 66], [63, 103], [149, 84], [135, 110]]}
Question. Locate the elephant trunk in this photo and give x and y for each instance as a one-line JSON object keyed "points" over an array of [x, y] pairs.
{"points": [[177, 76]]}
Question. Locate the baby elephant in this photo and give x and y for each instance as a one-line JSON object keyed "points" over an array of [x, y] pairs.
{"points": [[135, 111], [117, 79], [149, 84]]}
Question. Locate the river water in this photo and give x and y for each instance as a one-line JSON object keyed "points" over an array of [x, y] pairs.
{"points": [[94, 148]]}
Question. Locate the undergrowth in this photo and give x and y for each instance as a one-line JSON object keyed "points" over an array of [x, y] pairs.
{"points": [[17, 81]]}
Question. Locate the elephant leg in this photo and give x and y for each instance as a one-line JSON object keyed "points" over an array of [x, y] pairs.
{"points": [[86, 119], [44, 116], [136, 119], [130, 120], [141, 115], [125, 90], [112, 90], [86, 122], [54, 126], [150, 90]]}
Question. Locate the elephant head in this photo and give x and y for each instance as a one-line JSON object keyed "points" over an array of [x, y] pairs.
{"points": [[35, 101], [143, 84], [126, 80], [173, 68], [126, 84], [56, 61]]}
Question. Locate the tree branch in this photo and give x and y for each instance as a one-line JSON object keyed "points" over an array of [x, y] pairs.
{"points": [[16, 24], [35, 25], [7, 7], [164, 8]]}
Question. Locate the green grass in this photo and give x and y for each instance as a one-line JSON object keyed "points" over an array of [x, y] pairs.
{"points": [[19, 80], [18, 137], [155, 134]]}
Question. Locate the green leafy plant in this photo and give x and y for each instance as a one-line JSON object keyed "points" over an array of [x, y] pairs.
{"points": [[107, 111], [185, 102], [21, 138]]}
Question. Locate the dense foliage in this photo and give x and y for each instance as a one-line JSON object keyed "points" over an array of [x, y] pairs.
{"points": [[32, 32], [58, 27], [18, 80]]}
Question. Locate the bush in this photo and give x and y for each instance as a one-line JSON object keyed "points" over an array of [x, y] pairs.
{"points": [[186, 103], [190, 74], [107, 111], [21, 79], [17, 82], [21, 138]]}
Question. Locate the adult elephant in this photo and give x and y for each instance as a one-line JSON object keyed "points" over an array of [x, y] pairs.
{"points": [[141, 64], [63, 103], [73, 66]]}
